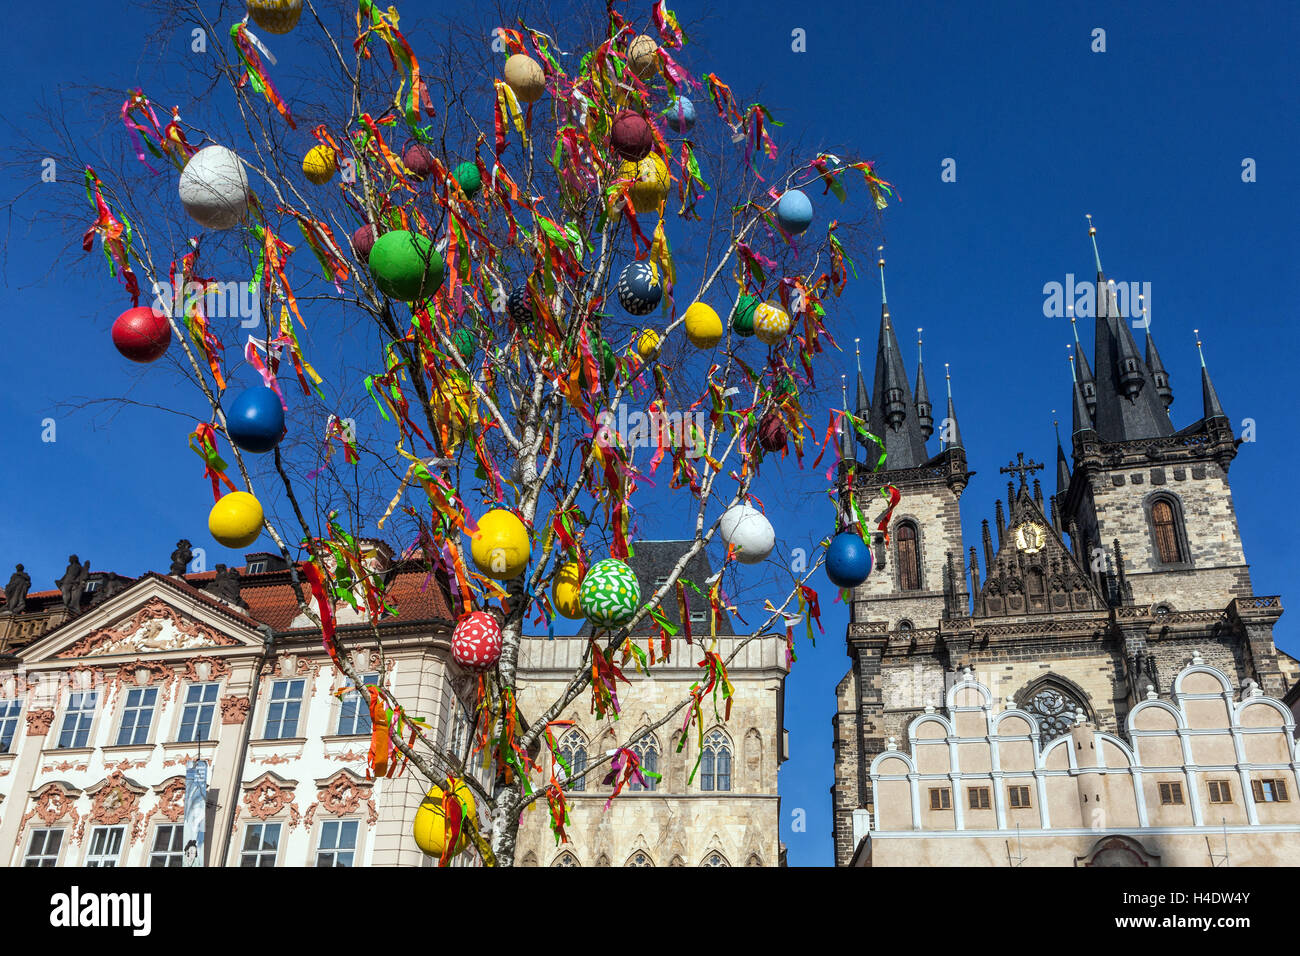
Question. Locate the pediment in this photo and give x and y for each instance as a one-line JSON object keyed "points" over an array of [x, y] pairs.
{"points": [[151, 617]]}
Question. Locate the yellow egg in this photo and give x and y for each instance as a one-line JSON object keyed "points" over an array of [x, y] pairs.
{"points": [[647, 346], [500, 546], [703, 327], [236, 520], [650, 186], [771, 323], [525, 76], [455, 405], [565, 590], [275, 16], [430, 828], [318, 165]]}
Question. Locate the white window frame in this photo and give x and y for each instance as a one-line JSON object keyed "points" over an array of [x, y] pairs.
{"points": [[10, 711], [172, 855], [199, 705], [256, 567], [81, 712], [260, 854], [43, 858], [104, 857], [271, 702], [129, 709], [361, 701], [339, 826]]}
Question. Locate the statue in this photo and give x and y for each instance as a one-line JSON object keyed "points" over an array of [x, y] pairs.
{"points": [[16, 591], [226, 585], [181, 558], [73, 584]]}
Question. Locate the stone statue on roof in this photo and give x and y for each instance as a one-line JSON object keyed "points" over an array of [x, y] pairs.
{"points": [[181, 558], [73, 584], [16, 591]]}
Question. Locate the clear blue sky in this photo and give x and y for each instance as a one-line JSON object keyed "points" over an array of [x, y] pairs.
{"points": [[1149, 137]]}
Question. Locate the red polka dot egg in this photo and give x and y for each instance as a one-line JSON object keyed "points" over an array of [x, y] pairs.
{"points": [[476, 642]]}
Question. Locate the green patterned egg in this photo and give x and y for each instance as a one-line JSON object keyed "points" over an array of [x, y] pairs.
{"points": [[610, 594]]}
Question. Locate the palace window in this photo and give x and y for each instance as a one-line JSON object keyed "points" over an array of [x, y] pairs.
{"points": [[8, 723], [940, 798], [78, 718], [283, 710], [196, 717], [1171, 794], [573, 748], [1220, 791], [43, 848], [715, 765], [168, 845], [137, 716], [1269, 791], [1019, 797], [261, 844], [338, 843], [1168, 535], [105, 846], [647, 751], [909, 557], [354, 709], [979, 798]]}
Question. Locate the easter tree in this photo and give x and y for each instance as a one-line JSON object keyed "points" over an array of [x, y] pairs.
{"points": [[512, 240]]}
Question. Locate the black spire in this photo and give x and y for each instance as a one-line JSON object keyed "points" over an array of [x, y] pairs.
{"points": [[1062, 466], [1086, 381], [923, 407], [1082, 416], [954, 440], [893, 415], [1155, 366], [848, 446], [863, 399], [1128, 406], [1209, 396]]}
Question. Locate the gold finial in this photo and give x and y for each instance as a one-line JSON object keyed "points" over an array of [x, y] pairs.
{"points": [[1092, 230]]}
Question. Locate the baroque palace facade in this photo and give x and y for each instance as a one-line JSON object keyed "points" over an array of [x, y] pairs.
{"points": [[1103, 689], [103, 707]]}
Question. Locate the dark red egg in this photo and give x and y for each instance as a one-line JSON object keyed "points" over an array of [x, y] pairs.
{"points": [[142, 334], [771, 432], [363, 240], [418, 160], [631, 136]]}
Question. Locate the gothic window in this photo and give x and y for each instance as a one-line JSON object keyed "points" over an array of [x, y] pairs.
{"points": [[647, 751], [909, 557], [1168, 534], [715, 859], [639, 858], [566, 859], [573, 748], [905, 626], [715, 764], [753, 860], [1054, 707]]}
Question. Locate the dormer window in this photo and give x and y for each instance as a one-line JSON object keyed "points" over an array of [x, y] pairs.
{"points": [[257, 567]]}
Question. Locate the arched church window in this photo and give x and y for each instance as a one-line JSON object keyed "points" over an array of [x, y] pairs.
{"points": [[1165, 528], [715, 764], [647, 751], [905, 626], [566, 859], [909, 557], [573, 748], [1054, 707], [639, 858]]}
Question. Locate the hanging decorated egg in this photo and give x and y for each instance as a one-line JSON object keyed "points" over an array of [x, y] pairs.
{"points": [[771, 323], [794, 212], [318, 165], [469, 178], [703, 327], [785, 385], [406, 266], [848, 560], [771, 432], [524, 75], [476, 641], [431, 831], [214, 188], [742, 317], [748, 532], [500, 546], [363, 240], [641, 56], [236, 520], [142, 334], [647, 345], [466, 344], [566, 590], [610, 593], [255, 421], [275, 16], [418, 160], [455, 405], [639, 290], [630, 136], [520, 305], [680, 115], [649, 182]]}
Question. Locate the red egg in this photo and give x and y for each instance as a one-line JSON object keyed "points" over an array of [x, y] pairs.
{"points": [[771, 432], [418, 160], [630, 136], [142, 334], [363, 240], [476, 641]]}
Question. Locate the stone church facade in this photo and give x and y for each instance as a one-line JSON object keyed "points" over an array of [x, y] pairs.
{"points": [[1074, 609]]}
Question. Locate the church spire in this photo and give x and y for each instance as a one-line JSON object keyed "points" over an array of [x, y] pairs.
{"points": [[954, 440], [924, 410], [1082, 416], [893, 412], [1085, 378], [863, 399], [1062, 466], [1209, 396], [1154, 365], [848, 447]]}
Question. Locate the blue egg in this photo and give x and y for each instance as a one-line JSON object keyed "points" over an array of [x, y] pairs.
{"points": [[680, 115], [794, 212], [848, 560], [639, 289], [520, 305], [255, 420]]}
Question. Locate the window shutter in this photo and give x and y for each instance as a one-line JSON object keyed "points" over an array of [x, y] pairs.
{"points": [[1280, 787], [1257, 789]]}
